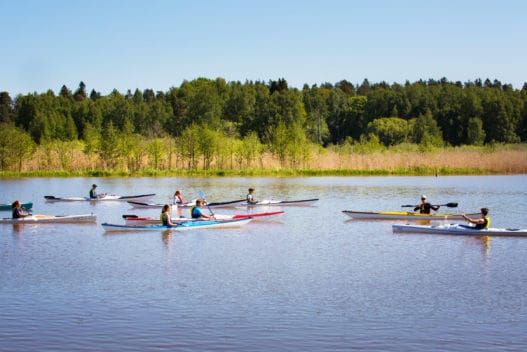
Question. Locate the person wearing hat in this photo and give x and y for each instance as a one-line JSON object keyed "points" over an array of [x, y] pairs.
{"points": [[425, 207], [250, 197]]}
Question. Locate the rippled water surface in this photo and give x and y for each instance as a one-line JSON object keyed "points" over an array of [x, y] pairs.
{"points": [[309, 280]]}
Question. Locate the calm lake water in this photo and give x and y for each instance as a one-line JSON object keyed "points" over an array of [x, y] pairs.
{"points": [[309, 280]]}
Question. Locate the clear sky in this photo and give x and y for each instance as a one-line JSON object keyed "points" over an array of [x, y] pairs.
{"points": [[156, 44]]}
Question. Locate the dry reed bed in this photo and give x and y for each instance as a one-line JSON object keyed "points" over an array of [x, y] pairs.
{"points": [[510, 161], [505, 161]]}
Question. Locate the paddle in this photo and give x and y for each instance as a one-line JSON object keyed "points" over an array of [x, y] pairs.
{"points": [[450, 205], [202, 196], [130, 216]]}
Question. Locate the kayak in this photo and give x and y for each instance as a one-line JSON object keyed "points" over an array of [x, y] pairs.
{"points": [[47, 219], [227, 204], [457, 229], [404, 215], [106, 198], [187, 225], [7, 207], [135, 220], [270, 202]]}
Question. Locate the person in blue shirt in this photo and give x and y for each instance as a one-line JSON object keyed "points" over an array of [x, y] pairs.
{"points": [[197, 213]]}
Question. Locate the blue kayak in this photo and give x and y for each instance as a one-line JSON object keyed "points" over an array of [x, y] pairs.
{"points": [[188, 225]]}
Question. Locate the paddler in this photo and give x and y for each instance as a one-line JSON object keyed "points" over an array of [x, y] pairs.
{"points": [[481, 223], [250, 197], [425, 207], [197, 213], [165, 216], [93, 192], [17, 210]]}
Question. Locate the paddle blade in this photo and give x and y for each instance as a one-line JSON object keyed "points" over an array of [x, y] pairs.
{"points": [[408, 206], [451, 205], [132, 216]]}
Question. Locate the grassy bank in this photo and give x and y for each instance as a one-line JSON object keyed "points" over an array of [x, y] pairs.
{"points": [[400, 160]]}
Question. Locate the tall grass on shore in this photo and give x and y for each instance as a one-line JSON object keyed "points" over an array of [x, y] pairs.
{"points": [[399, 160]]}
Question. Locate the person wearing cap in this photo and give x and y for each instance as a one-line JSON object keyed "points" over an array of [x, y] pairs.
{"points": [[425, 207], [250, 197]]}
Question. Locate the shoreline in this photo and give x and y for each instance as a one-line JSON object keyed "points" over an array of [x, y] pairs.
{"points": [[425, 172]]}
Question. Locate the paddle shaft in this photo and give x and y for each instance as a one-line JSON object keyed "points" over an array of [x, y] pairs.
{"points": [[202, 195], [450, 205]]}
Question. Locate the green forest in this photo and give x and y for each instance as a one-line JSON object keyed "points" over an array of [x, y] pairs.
{"points": [[215, 124]]}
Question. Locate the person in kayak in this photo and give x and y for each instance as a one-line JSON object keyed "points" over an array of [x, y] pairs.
{"points": [[250, 197], [178, 198], [197, 213], [178, 201], [481, 223], [425, 207], [165, 216], [17, 210], [93, 193]]}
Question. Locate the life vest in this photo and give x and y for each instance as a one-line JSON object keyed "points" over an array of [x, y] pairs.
{"points": [[163, 219], [485, 225]]}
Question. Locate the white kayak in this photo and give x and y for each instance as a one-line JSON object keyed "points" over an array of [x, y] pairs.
{"points": [[108, 197], [187, 225], [271, 202], [227, 204], [457, 229], [404, 215], [55, 219], [135, 220]]}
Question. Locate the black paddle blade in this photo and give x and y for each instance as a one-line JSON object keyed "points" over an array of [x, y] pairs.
{"points": [[451, 205], [132, 216]]}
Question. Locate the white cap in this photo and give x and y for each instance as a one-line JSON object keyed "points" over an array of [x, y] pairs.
{"points": [[423, 197]]}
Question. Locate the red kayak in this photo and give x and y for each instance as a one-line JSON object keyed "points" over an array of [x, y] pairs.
{"points": [[136, 220]]}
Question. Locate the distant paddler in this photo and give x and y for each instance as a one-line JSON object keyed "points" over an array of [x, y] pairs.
{"points": [[93, 193], [425, 207]]}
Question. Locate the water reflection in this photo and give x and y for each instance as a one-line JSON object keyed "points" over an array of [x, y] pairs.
{"points": [[166, 237]]}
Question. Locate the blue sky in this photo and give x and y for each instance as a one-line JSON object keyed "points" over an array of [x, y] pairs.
{"points": [[157, 44]]}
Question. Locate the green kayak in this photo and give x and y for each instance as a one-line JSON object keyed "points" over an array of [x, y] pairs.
{"points": [[7, 207]]}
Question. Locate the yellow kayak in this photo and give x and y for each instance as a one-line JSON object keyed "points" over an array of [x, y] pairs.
{"points": [[404, 215]]}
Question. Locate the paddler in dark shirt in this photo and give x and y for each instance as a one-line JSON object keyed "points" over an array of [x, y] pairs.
{"points": [[93, 192], [17, 210], [425, 207], [481, 223]]}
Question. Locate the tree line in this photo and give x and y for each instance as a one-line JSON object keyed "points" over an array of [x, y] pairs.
{"points": [[214, 123]]}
